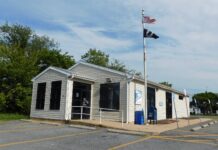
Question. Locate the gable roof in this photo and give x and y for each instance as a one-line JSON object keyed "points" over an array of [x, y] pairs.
{"points": [[100, 68], [68, 73], [60, 70], [128, 75]]}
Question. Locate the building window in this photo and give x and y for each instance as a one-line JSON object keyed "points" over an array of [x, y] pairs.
{"points": [[40, 98], [55, 95], [110, 96]]}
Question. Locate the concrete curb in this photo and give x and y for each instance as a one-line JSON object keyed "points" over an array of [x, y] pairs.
{"points": [[82, 127], [130, 132], [211, 123], [50, 123], [196, 128], [205, 125]]}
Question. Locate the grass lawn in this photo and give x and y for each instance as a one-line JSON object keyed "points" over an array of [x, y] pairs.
{"points": [[7, 117]]}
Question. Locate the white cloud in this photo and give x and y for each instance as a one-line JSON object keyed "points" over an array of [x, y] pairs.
{"points": [[186, 53], [94, 38]]}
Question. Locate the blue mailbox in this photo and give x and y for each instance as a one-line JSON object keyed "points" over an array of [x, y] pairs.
{"points": [[152, 114]]}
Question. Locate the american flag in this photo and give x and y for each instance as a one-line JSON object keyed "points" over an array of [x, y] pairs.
{"points": [[147, 19]]}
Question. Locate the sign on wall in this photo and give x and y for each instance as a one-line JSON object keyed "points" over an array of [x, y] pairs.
{"points": [[161, 103], [138, 97]]}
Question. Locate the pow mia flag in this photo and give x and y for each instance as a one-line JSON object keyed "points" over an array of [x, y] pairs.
{"points": [[149, 34]]}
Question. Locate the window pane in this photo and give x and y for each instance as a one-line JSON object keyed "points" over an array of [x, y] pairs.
{"points": [[55, 95], [110, 96], [40, 99]]}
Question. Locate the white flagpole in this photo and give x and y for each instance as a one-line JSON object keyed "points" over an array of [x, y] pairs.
{"points": [[145, 71]]}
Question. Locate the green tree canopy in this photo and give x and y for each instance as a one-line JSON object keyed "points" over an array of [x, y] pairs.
{"points": [[23, 54], [97, 57], [100, 58], [117, 65], [206, 101], [166, 84]]}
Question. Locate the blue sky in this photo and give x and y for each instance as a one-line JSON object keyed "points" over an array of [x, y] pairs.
{"points": [[184, 55]]}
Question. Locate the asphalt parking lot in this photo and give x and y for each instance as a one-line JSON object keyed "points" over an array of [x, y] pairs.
{"points": [[21, 135]]}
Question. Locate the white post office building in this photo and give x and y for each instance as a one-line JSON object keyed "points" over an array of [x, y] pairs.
{"points": [[88, 91]]}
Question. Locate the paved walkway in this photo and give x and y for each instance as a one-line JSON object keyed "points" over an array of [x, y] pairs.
{"points": [[159, 128]]}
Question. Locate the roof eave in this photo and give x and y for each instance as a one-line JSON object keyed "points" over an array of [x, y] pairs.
{"points": [[51, 68]]}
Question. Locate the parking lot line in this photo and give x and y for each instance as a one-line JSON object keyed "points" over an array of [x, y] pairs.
{"points": [[129, 143], [187, 141], [28, 129], [47, 138]]}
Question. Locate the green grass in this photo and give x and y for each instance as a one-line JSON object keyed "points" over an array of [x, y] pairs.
{"points": [[10, 116]]}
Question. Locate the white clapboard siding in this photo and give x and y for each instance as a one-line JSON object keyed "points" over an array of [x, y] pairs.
{"points": [[48, 77], [181, 108], [99, 77], [133, 86], [160, 102]]}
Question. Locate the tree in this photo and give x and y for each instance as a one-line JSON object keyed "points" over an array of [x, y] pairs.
{"points": [[134, 72], [117, 65], [23, 54], [54, 58], [96, 57], [166, 84], [206, 101], [100, 58], [15, 35]]}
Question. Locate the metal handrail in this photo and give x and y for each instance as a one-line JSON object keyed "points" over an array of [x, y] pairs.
{"points": [[96, 108], [100, 113]]}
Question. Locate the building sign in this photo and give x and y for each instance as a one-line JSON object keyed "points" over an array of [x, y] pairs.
{"points": [[160, 103], [138, 97]]}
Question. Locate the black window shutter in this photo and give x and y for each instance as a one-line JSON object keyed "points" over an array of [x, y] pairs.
{"points": [[55, 95], [40, 99]]}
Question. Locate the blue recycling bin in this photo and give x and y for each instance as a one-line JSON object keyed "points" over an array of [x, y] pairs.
{"points": [[139, 117]]}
